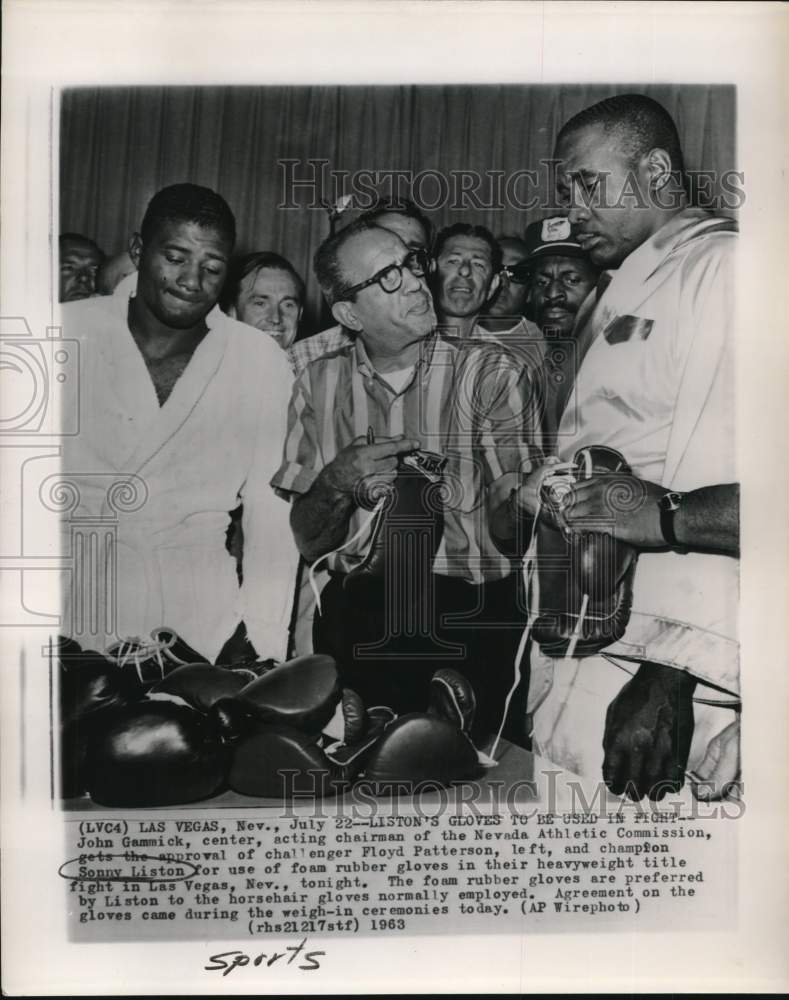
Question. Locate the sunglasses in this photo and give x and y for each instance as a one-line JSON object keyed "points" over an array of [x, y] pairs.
{"points": [[518, 274]]}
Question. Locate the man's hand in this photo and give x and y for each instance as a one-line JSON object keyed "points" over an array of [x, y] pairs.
{"points": [[356, 476], [527, 496], [718, 775], [361, 469], [619, 505], [648, 731]]}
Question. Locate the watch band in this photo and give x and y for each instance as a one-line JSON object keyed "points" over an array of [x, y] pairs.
{"points": [[669, 504]]}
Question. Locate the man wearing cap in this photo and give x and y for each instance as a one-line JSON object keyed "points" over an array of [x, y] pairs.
{"points": [[560, 276], [656, 383]]}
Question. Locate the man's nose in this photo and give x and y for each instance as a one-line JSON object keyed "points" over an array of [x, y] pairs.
{"points": [[189, 276], [411, 282], [465, 267], [84, 277], [555, 292], [578, 213]]}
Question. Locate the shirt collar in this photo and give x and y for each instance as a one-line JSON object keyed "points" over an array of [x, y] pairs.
{"points": [[365, 366]]}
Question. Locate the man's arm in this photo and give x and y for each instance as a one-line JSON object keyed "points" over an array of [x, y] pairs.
{"points": [[512, 438], [627, 507], [319, 518]]}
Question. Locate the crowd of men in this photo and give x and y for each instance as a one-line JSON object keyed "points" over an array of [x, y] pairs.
{"points": [[464, 362]]}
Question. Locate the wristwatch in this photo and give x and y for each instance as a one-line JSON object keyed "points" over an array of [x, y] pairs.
{"points": [[669, 504]]}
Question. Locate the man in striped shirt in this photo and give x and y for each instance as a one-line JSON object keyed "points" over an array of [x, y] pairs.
{"points": [[402, 385]]}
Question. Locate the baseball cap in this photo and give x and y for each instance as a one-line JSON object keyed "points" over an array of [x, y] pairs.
{"points": [[554, 236]]}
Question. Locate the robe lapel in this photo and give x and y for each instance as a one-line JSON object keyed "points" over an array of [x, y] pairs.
{"points": [[168, 419], [122, 383]]}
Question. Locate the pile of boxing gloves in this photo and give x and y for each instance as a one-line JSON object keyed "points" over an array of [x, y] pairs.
{"points": [[159, 731]]}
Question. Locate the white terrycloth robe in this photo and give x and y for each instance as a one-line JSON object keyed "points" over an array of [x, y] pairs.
{"points": [[158, 554], [657, 384]]}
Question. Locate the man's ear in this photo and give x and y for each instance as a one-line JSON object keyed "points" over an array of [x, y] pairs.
{"points": [[494, 285], [135, 249], [658, 167], [344, 313]]}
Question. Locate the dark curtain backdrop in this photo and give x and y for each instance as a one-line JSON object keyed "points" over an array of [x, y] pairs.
{"points": [[120, 145]]}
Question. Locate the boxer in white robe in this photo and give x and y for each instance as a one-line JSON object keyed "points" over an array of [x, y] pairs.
{"points": [[656, 383], [182, 411]]}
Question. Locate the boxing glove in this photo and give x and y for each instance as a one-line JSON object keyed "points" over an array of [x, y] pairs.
{"points": [[404, 541], [153, 753], [88, 681], [363, 728], [154, 658], [451, 697], [87, 684], [202, 685], [431, 747], [238, 651], [301, 693], [571, 565], [279, 761]]}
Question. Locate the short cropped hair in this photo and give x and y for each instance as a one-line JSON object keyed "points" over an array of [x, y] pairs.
{"points": [[326, 264], [251, 263], [639, 122], [477, 232], [188, 203], [400, 206]]}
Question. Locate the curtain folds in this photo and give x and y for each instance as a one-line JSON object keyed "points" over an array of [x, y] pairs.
{"points": [[465, 145]]}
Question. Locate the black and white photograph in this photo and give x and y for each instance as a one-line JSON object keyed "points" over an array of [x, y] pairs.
{"points": [[376, 579]]}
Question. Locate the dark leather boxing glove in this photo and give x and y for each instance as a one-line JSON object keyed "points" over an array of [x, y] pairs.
{"points": [[238, 651], [419, 748], [302, 693], [433, 747], [404, 542], [279, 761], [570, 565], [87, 684], [154, 753], [354, 717], [88, 681], [361, 735], [451, 697], [154, 658], [202, 685]]}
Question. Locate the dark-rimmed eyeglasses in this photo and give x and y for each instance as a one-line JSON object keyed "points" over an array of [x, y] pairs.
{"points": [[390, 278], [518, 274]]}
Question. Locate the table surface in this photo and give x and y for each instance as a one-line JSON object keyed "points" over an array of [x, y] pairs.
{"points": [[517, 774]]}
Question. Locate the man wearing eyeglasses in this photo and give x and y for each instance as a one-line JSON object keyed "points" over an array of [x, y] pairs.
{"points": [[399, 385], [507, 309], [399, 216]]}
